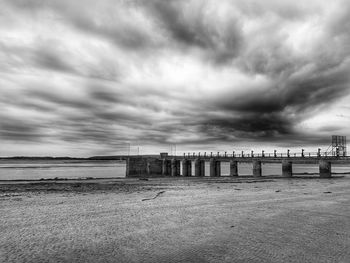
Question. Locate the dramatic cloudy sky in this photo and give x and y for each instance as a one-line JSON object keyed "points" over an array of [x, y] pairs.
{"points": [[88, 77]]}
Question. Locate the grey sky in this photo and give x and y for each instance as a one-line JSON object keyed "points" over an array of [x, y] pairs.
{"points": [[87, 77]]}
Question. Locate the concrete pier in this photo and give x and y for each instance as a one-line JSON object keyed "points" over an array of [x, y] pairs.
{"points": [[325, 169], [257, 168], [199, 167], [287, 168], [175, 167], [233, 168], [164, 165]]}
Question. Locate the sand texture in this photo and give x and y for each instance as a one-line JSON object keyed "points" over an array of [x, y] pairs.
{"points": [[176, 220]]}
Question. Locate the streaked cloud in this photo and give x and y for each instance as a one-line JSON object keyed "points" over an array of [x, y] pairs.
{"points": [[90, 77]]}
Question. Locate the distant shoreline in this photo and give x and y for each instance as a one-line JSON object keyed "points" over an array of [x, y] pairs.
{"points": [[111, 157]]}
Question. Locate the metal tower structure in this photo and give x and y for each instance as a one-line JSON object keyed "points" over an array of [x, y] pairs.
{"points": [[338, 145]]}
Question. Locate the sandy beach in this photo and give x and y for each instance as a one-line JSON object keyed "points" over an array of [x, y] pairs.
{"points": [[176, 220]]}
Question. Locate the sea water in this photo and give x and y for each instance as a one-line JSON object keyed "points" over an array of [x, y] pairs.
{"points": [[62, 169], [82, 169]]}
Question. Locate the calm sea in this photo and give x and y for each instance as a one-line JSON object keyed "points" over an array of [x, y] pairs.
{"points": [[38, 169]]}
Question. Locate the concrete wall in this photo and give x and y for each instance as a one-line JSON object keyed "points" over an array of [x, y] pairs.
{"points": [[143, 167], [154, 167], [287, 168], [136, 167], [325, 167]]}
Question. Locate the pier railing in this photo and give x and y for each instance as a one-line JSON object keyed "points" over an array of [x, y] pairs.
{"points": [[262, 154]]}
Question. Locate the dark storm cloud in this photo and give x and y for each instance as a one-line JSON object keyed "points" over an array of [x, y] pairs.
{"points": [[163, 72], [190, 26], [320, 89], [259, 125]]}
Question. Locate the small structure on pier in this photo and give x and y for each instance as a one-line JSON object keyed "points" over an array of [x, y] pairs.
{"points": [[338, 145]]}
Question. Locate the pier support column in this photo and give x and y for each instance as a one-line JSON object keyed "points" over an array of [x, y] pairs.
{"points": [[256, 168], [202, 164], [166, 167], [199, 167], [178, 167], [184, 167], [218, 168], [175, 167], [325, 169], [233, 168], [189, 168], [212, 169], [287, 168], [148, 168]]}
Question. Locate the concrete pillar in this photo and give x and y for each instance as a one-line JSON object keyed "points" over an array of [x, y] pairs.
{"points": [[202, 165], [325, 169], [197, 167], [233, 168], [287, 168], [189, 168], [166, 167], [212, 169], [148, 168], [217, 168], [256, 168], [175, 167], [184, 167], [178, 167]]}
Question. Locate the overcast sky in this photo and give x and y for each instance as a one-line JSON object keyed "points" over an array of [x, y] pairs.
{"points": [[83, 78]]}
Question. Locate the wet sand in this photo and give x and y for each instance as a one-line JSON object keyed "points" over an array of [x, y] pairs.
{"points": [[176, 220]]}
